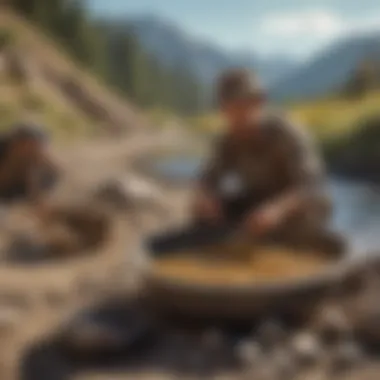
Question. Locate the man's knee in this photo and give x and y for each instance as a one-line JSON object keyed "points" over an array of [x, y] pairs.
{"points": [[320, 240]]}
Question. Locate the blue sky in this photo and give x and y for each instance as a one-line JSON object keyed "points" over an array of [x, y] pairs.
{"points": [[296, 27]]}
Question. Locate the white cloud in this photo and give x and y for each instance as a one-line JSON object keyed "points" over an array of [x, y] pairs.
{"points": [[302, 32], [366, 24], [317, 23]]}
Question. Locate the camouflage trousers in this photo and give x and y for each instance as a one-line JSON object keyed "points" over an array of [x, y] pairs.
{"points": [[305, 236], [307, 230]]}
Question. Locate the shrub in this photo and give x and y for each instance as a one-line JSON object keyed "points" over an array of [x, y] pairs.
{"points": [[6, 38]]}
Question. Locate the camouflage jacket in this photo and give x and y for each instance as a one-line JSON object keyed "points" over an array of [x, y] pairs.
{"points": [[274, 158]]}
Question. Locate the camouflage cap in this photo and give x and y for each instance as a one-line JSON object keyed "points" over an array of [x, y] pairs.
{"points": [[238, 84]]}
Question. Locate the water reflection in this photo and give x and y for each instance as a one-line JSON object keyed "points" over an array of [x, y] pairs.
{"points": [[357, 213]]}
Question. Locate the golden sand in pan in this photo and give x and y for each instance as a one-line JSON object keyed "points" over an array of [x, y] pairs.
{"points": [[242, 266]]}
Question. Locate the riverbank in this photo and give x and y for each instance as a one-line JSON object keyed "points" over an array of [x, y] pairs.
{"points": [[268, 349], [339, 340], [42, 297], [345, 130], [356, 155], [37, 294]]}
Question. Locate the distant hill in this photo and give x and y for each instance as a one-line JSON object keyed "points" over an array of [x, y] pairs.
{"points": [[330, 70], [39, 79], [173, 46]]}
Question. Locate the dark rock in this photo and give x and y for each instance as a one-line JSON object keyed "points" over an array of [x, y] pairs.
{"points": [[212, 339], [113, 193], [271, 333], [92, 336], [365, 318], [25, 249], [285, 363], [108, 327], [346, 356], [43, 361], [132, 193], [91, 226]]}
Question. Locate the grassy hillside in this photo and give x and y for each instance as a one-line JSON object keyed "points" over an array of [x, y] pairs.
{"points": [[335, 117], [348, 131], [326, 119], [38, 79]]}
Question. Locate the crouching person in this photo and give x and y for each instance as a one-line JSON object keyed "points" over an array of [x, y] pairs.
{"points": [[27, 171], [264, 175]]}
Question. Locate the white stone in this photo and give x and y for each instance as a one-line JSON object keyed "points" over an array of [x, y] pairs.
{"points": [[333, 325], [306, 348], [249, 353], [131, 191]]}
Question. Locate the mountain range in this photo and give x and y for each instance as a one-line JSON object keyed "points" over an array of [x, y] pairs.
{"points": [[286, 78], [174, 46], [329, 70]]}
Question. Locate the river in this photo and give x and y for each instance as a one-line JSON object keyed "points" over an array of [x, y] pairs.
{"points": [[356, 206]]}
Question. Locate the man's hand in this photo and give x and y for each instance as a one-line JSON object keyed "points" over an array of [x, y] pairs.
{"points": [[263, 221], [43, 212], [207, 207]]}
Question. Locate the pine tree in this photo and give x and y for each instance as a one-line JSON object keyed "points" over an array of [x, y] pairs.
{"points": [[112, 51], [363, 80]]}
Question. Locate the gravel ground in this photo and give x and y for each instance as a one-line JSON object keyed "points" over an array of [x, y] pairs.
{"points": [[38, 298]]}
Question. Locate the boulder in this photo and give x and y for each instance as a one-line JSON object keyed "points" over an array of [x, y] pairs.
{"points": [[306, 349], [132, 193]]}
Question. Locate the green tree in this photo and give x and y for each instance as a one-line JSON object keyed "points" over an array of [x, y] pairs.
{"points": [[363, 80], [112, 51]]}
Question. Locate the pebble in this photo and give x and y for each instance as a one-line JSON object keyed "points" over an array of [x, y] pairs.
{"points": [[176, 345], [306, 349], [24, 248], [88, 337], [212, 339], [265, 372], [130, 192], [249, 353], [113, 192], [197, 362], [285, 364], [346, 356], [333, 325], [170, 348], [271, 333]]}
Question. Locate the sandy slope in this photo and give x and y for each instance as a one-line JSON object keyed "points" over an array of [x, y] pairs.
{"points": [[40, 295], [36, 299]]}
